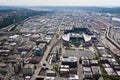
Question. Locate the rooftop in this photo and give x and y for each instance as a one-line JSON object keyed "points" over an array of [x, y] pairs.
{"points": [[74, 77], [96, 70], [110, 71], [69, 59], [28, 66], [49, 78], [66, 37]]}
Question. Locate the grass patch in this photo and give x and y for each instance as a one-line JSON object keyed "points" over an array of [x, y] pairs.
{"points": [[57, 35], [57, 69], [118, 43], [69, 49], [80, 60], [118, 61], [3, 72], [76, 43], [96, 57]]}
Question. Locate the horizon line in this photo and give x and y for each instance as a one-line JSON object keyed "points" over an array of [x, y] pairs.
{"points": [[105, 6]]}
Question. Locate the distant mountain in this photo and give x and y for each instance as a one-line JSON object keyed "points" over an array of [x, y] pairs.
{"points": [[10, 15], [10, 8], [114, 10]]}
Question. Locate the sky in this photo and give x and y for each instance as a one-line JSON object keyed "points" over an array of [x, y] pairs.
{"points": [[109, 3]]}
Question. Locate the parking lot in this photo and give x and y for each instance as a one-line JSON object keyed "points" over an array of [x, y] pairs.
{"points": [[79, 53]]}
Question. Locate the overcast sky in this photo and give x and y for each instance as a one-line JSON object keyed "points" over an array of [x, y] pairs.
{"points": [[110, 3]]}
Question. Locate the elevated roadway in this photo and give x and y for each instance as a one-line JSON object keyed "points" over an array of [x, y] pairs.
{"points": [[109, 42]]}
